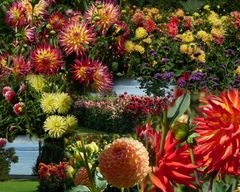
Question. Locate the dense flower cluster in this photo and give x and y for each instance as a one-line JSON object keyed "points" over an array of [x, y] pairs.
{"points": [[51, 171]]}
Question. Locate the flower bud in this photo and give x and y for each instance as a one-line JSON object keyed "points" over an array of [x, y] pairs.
{"points": [[180, 131]]}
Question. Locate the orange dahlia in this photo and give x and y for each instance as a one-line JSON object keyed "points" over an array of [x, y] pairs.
{"points": [[103, 15], [82, 178], [57, 21], [219, 133], [124, 163], [15, 16], [76, 37], [172, 165], [46, 59]]}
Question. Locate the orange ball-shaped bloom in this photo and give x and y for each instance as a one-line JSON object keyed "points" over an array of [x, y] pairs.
{"points": [[124, 163], [82, 178]]}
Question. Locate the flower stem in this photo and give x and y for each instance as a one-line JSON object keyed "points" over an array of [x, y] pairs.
{"points": [[210, 183], [195, 172], [93, 187], [165, 129]]}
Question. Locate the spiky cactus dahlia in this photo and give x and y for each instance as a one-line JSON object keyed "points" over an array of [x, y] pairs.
{"points": [[124, 163], [46, 59], [219, 133], [75, 37], [103, 15]]}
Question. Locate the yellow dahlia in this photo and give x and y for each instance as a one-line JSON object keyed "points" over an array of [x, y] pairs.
{"points": [[184, 48], [82, 178], [46, 59], [187, 37], [55, 126], [124, 163], [139, 49], [129, 46], [62, 102], [141, 33], [237, 71], [76, 37], [36, 81], [38, 11], [71, 122], [103, 15], [48, 103]]}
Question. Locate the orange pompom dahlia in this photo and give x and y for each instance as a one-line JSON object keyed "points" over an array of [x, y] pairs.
{"points": [[75, 37], [103, 15], [46, 59], [219, 133], [124, 163]]}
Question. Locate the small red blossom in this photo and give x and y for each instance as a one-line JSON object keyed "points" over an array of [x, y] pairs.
{"points": [[3, 142], [19, 108], [57, 21], [20, 66], [138, 18], [149, 25], [6, 89], [188, 23], [10, 96]]}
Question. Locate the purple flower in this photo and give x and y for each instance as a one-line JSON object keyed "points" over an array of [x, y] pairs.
{"points": [[167, 76], [237, 62], [167, 48], [197, 76], [237, 82], [165, 60], [153, 53], [181, 82], [229, 53], [197, 54], [157, 76]]}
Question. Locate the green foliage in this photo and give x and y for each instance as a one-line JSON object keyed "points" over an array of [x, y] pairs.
{"points": [[19, 186]]}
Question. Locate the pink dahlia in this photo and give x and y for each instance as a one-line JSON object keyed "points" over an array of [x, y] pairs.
{"points": [[19, 108], [103, 15], [29, 34], [15, 16], [57, 21], [102, 79], [46, 59], [20, 66], [76, 37], [10, 96], [149, 25], [138, 17], [6, 89]]}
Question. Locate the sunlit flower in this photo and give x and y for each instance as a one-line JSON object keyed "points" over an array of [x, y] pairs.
{"points": [[147, 40], [76, 37], [218, 130], [103, 15], [55, 126], [184, 48], [102, 79], [82, 178], [19, 108], [238, 70], [36, 81], [172, 166], [46, 59], [48, 103], [15, 16], [129, 46], [206, 37], [124, 163], [139, 49], [180, 13], [20, 66], [187, 37], [10, 96], [3, 60], [57, 21], [71, 122], [62, 102], [140, 33], [38, 11]]}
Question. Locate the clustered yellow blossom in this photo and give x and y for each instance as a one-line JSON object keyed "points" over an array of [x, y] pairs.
{"points": [[131, 47], [139, 49], [141, 33], [147, 40], [179, 13], [204, 36], [237, 71], [56, 125], [187, 37], [152, 13], [37, 82], [56, 102], [193, 51]]}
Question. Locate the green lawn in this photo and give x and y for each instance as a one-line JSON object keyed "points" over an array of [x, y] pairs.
{"points": [[18, 186]]}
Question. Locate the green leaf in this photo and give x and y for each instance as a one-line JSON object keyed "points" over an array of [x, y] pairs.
{"points": [[80, 188], [192, 137], [180, 107], [100, 181], [191, 6]]}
